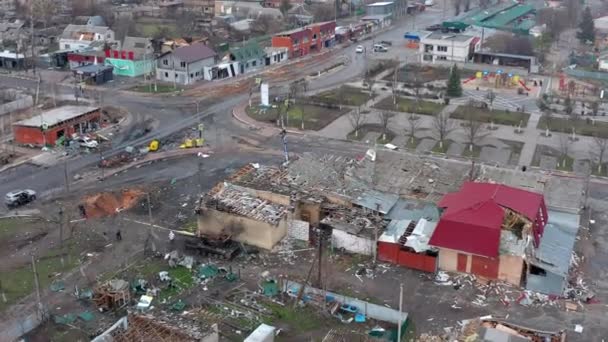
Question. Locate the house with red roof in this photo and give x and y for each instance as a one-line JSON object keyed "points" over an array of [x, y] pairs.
{"points": [[488, 229]]}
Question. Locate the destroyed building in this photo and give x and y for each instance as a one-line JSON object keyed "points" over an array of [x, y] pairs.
{"points": [[245, 215], [147, 328], [486, 228]]}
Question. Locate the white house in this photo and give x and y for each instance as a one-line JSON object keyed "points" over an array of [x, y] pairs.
{"points": [[81, 37], [186, 64], [455, 47]]}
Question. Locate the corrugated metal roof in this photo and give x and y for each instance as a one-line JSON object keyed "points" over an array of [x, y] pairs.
{"points": [[55, 116], [473, 217], [556, 245], [474, 230], [376, 201], [410, 209], [251, 50], [394, 230]]}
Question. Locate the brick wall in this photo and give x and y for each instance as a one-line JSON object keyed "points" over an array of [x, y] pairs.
{"points": [[298, 230]]}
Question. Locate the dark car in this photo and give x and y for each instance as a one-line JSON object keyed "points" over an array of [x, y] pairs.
{"points": [[386, 43], [18, 198]]}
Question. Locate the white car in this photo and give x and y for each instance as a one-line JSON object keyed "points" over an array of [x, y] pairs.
{"points": [[88, 142], [429, 3], [359, 49], [18, 198]]}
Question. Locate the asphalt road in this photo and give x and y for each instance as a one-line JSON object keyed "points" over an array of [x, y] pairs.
{"points": [[173, 114]]}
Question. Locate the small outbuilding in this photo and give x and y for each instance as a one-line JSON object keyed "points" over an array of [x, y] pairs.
{"points": [[47, 127]]}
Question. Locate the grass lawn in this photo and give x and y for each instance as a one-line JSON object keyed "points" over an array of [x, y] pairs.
{"points": [[364, 129], [471, 154], [568, 166], [300, 320], [315, 117], [160, 88], [19, 283], [500, 117], [438, 149], [425, 73], [343, 95], [409, 106], [582, 127]]}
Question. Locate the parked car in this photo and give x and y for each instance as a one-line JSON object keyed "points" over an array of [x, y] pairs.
{"points": [[380, 48], [429, 3], [386, 42], [359, 49], [436, 27], [18, 198], [87, 142]]}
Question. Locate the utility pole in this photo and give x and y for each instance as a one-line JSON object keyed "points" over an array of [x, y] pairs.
{"points": [[149, 208], [400, 310], [66, 178], [37, 286], [33, 36], [61, 223], [320, 267], [149, 235]]}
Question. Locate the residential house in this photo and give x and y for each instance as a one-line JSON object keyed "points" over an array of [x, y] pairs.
{"points": [[489, 230], [186, 64], [12, 31], [309, 39], [206, 7], [277, 3], [439, 46], [136, 58], [80, 37], [250, 57], [245, 9], [275, 55]]}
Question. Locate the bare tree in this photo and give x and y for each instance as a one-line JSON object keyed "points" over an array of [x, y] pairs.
{"points": [[474, 131], [385, 118], [601, 144], [44, 10], [413, 123], [564, 149], [266, 24], [323, 12], [442, 126], [595, 107], [357, 119]]}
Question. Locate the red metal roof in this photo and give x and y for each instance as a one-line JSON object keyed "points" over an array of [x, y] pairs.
{"points": [[473, 217], [471, 193]]}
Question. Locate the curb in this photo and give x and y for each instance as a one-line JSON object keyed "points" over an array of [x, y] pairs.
{"points": [[254, 126], [170, 154]]}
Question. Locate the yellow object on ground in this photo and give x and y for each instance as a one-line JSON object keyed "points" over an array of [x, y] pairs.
{"points": [[154, 145], [200, 142]]}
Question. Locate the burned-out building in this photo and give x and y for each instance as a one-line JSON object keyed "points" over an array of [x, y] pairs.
{"points": [[245, 215]]}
